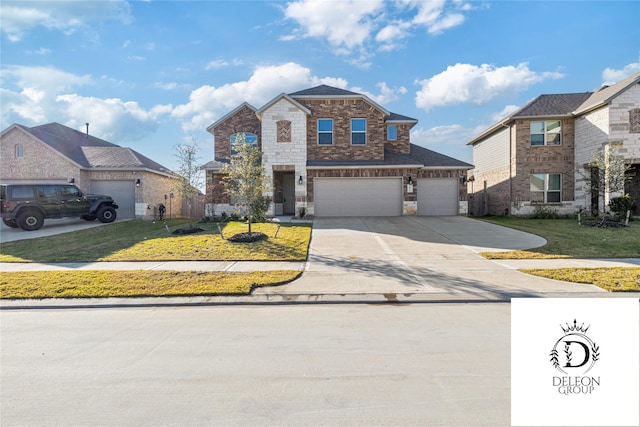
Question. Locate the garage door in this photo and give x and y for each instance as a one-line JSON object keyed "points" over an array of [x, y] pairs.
{"points": [[123, 192], [437, 197], [358, 196]]}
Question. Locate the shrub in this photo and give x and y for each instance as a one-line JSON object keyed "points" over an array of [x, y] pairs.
{"points": [[545, 212], [302, 212], [620, 205]]}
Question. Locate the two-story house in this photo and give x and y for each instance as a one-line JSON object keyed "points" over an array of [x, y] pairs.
{"points": [[338, 153], [541, 154]]}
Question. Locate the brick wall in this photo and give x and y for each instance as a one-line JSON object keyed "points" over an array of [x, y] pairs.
{"points": [[39, 161], [342, 111], [543, 159], [244, 120]]}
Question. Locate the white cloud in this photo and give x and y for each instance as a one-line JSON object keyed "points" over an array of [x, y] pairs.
{"points": [[110, 119], [611, 76], [66, 16], [386, 96], [467, 83], [344, 24], [353, 26], [37, 95], [504, 113]]}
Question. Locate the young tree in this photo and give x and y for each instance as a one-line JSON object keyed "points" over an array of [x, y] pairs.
{"points": [[245, 179], [609, 173], [190, 172]]}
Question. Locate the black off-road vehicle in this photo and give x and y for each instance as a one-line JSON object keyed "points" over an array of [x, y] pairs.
{"points": [[27, 205]]}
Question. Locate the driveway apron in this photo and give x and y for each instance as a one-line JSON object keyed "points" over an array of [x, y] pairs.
{"points": [[412, 255]]}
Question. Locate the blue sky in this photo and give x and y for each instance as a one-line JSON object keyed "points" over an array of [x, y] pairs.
{"points": [[153, 74]]}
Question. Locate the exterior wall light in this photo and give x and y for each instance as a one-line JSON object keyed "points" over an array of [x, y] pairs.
{"points": [[138, 182], [72, 180], [300, 180]]}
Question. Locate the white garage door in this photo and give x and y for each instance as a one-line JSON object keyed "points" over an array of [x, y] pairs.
{"points": [[358, 196], [123, 192], [437, 197]]}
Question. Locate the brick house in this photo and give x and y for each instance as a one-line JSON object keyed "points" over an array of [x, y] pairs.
{"points": [[54, 153], [540, 155], [338, 153]]}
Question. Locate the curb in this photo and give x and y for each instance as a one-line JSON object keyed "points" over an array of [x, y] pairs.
{"points": [[295, 299]]}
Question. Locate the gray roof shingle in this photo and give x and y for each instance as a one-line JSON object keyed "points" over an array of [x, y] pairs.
{"points": [[605, 94], [552, 105], [89, 151], [323, 90], [418, 157]]}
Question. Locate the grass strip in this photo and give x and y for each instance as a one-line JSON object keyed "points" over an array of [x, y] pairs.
{"points": [[135, 283], [617, 279], [567, 239]]}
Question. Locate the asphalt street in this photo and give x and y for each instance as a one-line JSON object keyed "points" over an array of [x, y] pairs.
{"points": [[294, 365]]}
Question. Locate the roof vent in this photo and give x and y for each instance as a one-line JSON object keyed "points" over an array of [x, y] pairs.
{"points": [[87, 129]]}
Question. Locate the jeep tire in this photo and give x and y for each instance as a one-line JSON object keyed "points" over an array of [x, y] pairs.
{"points": [[106, 214], [30, 220], [10, 223]]}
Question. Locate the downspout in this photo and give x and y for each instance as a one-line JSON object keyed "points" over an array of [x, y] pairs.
{"points": [[510, 166]]}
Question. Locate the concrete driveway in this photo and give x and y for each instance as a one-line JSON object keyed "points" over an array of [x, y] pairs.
{"points": [[49, 228], [417, 255]]}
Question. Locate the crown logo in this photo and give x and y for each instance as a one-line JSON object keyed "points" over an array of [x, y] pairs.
{"points": [[575, 327]]}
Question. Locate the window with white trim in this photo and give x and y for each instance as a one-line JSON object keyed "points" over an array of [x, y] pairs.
{"points": [[19, 151], [325, 131], [249, 138], [546, 133], [358, 131], [392, 132], [548, 186]]}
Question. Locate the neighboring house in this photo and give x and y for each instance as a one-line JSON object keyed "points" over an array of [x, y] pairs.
{"points": [[338, 153], [540, 155], [55, 153]]}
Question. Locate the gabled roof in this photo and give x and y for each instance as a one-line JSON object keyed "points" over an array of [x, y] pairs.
{"points": [[606, 94], [88, 151], [226, 116], [324, 92], [278, 98], [552, 105], [399, 118], [418, 157]]}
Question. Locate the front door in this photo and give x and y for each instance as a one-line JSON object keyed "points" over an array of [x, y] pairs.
{"points": [[288, 194]]}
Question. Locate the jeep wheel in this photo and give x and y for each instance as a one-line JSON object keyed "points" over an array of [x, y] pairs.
{"points": [[10, 223], [106, 214], [30, 220]]}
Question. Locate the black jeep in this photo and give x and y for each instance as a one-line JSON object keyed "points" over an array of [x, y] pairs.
{"points": [[27, 205]]}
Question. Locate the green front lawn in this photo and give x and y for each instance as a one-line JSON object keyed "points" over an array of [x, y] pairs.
{"points": [[148, 241], [137, 283], [566, 239], [611, 279]]}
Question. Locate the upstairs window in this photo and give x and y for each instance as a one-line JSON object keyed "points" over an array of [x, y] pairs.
{"points": [[325, 131], [392, 133], [249, 138], [19, 151], [358, 131], [545, 133], [549, 185]]}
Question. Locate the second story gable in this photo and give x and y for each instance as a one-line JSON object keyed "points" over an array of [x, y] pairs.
{"points": [[333, 124]]}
